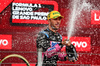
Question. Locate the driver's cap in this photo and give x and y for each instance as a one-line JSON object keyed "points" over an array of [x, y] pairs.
{"points": [[54, 15]]}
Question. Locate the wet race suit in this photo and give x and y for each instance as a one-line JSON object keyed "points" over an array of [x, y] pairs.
{"points": [[50, 42]]}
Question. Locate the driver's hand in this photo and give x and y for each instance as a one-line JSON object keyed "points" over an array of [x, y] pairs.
{"points": [[67, 44]]}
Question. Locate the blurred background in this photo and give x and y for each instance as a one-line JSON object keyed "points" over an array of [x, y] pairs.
{"points": [[18, 30]]}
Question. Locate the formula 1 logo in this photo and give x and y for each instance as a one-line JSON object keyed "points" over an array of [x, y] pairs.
{"points": [[4, 4], [81, 43], [5, 41], [31, 12], [95, 17]]}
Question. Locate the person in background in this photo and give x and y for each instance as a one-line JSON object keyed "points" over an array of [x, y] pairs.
{"points": [[51, 42]]}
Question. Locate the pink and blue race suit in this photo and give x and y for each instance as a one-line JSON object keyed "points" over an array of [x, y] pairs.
{"points": [[50, 42]]}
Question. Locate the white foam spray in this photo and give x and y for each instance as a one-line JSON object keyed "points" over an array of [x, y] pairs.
{"points": [[77, 6], [72, 19]]}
